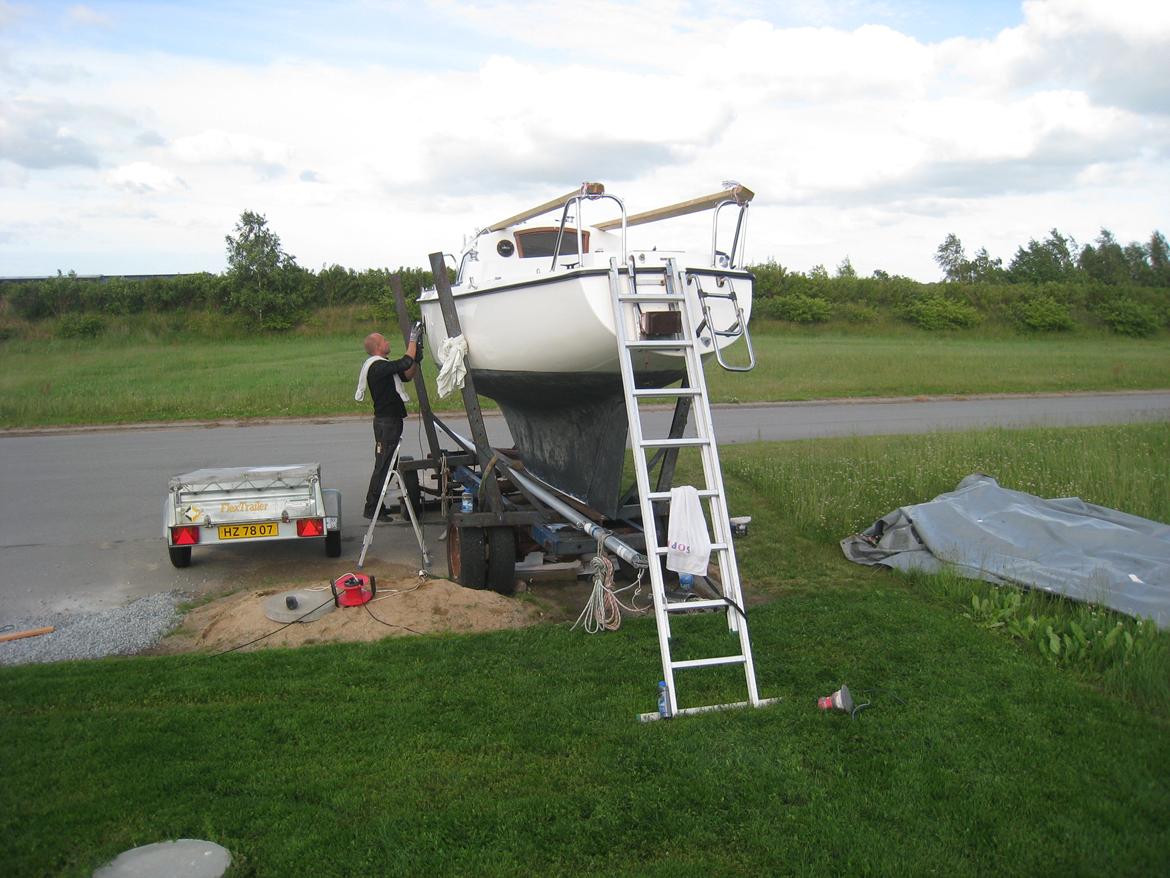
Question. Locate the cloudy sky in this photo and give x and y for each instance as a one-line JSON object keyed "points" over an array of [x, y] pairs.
{"points": [[373, 132]]}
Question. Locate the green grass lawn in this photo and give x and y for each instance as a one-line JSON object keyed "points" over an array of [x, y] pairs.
{"points": [[124, 380], [518, 753]]}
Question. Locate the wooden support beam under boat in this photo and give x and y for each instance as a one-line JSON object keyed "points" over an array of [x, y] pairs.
{"points": [[585, 189], [739, 194]]}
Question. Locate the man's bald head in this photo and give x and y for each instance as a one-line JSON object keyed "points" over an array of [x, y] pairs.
{"points": [[376, 345]]}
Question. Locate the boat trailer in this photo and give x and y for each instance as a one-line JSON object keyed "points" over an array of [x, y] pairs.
{"points": [[510, 508]]}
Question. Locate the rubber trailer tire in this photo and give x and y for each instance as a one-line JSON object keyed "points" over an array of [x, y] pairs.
{"points": [[466, 556], [501, 575], [180, 555], [333, 544]]}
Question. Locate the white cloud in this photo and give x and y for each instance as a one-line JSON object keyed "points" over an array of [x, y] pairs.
{"points": [[144, 177], [230, 147], [86, 16], [864, 142], [9, 13]]}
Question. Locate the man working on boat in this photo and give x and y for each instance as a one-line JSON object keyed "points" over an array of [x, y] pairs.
{"points": [[384, 379]]}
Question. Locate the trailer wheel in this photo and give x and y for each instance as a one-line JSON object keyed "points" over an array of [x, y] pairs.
{"points": [[501, 576], [466, 559], [333, 544], [180, 555]]}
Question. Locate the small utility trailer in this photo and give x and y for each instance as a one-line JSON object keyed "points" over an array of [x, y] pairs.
{"points": [[218, 505]]}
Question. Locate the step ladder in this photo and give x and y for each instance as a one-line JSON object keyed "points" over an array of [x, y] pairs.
{"points": [[393, 475], [667, 287]]}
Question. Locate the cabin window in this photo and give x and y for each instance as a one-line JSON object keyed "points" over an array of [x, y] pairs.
{"points": [[505, 247], [540, 242]]}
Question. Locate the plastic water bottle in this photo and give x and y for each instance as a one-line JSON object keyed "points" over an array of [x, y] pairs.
{"points": [[686, 581], [468, 500], [663, 701]]}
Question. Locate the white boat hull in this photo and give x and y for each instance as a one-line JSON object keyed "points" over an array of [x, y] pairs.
{"points": [[544, 348], [563, 323]]}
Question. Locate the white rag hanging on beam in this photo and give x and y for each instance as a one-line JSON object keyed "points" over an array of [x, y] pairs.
{"points": [[453, 353], [687, 541]]}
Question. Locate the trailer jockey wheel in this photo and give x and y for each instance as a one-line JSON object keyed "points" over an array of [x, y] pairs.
{"points": [[466, 556], [501, 573]]}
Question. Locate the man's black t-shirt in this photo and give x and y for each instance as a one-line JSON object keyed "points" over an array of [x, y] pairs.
{"points": [[380, 380]]}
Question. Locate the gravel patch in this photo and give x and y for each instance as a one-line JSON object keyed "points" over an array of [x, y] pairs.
{"points": [[120, 631]]}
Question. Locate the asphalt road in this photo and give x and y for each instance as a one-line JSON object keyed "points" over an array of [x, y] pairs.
{"points": [[80, 510]]}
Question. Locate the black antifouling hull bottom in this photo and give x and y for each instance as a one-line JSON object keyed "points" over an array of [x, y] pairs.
{"points": [[570, 429]]}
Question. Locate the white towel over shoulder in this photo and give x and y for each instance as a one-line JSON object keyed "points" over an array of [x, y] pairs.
{"points": [[688, 544], [360, 393]]}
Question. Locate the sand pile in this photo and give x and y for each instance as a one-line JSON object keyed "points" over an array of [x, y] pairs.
{"points": [[404, 601]]}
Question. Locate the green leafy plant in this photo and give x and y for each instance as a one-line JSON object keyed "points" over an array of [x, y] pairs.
{"points": [[1086, 636], [795, 308], [935, 312], [80, 326], [1127, 317], [1042, 314]]}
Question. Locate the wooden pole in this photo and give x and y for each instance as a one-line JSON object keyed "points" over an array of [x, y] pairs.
{"points": [[586, 189], [32, 632], [420, 385], [738, 194], [483, 448]]}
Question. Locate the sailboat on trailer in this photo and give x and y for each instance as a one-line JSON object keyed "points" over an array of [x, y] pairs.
{"points": [[534, 303]]}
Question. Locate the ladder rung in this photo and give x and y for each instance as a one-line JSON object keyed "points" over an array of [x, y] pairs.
{"points": [[704, 604], [715, 547], [665, 495], [685, 711], [669, 391], [709, 662], [689, 442], [678, 344], [648, 298]]}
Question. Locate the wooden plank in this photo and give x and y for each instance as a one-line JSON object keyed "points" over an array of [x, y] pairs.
{"points": [[738, 194], [32, 632], [483, 449], [585, 189], [420, 384]]}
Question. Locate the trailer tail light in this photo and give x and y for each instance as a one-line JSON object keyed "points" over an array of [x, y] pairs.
{"points": [[184, 535], [310, 527]]}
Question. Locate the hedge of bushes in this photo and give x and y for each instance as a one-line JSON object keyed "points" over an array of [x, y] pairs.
{"points": [[79, 304], [81, 307], [1126, 308]]}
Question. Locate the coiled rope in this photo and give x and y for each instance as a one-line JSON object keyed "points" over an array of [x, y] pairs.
{"points": [[603, 610]]}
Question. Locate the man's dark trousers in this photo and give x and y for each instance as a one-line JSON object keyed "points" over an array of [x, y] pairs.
{"points": [[387, 432]]}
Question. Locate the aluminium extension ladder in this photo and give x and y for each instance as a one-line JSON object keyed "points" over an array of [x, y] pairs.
{"points": [[625, 309]]}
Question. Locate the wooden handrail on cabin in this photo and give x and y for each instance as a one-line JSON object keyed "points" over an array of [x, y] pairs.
{"points": [[740, 194], [585, 189]]}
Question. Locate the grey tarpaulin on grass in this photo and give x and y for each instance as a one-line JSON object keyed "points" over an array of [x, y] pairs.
{"points": [[1065, 546]]}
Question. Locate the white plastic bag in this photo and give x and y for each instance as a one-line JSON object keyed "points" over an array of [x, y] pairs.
{"points": [[689, 546]]}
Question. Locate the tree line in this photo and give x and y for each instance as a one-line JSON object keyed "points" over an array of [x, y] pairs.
{"points": [[1058, 259], [1049, 285], [263, 285]]}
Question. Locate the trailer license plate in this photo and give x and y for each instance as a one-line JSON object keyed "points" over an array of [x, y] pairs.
{"points": [[247, 531]]}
